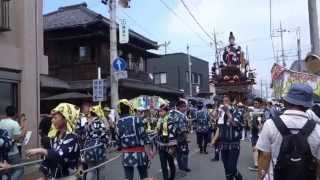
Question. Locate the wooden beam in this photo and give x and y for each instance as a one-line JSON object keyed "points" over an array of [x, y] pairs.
{"points": [[75, 37]]}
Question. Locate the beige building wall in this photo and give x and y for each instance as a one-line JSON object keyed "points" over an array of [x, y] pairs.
{"points": [[21, 52]]}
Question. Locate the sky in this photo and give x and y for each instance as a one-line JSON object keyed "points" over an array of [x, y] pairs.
{"points": [[249, 20]]}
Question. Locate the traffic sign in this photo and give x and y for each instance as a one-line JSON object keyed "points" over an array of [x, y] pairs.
{"points": [[121, 75], [99, 90], [119, 64]]}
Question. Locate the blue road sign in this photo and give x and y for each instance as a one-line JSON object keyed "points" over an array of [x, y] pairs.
{"points": [[119, 64]]}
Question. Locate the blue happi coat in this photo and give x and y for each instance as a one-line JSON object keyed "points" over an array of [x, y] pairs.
{"points": [[80, 128], [63, 157], [229, 134], [131, 134], [171, 137], [93, 133], [203, 123], [181, 125], [5, 144], [192, 113]]}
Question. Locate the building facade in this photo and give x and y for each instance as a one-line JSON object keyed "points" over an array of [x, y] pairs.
{"points": [[77, 43], [22, 59], [172, 70]]}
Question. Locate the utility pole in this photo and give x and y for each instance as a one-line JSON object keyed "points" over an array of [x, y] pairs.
{"points": [[282, 47], [314, 27], [190, 71], [267, 90], [299, 49], [261, 89], [247, 53], [216, 47], [165, 45], [270, 17], [113, 53], [277, 58]]}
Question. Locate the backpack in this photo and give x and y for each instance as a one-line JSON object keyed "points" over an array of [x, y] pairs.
{"points": [[295, 160]]}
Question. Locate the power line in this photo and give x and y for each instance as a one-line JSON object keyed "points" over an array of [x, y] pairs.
{"points": [[270, 58], [183, 22], [138, 24], [195, 19]]}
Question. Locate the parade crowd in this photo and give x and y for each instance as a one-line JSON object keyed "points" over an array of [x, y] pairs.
{"points": [[284, 134]]}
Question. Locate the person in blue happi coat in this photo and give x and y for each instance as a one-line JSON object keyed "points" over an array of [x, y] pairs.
{"points": [[94, 133], [191, 114], [229, 135], [178, 116], [133, 141], [166, 143], [63, 155], [5, 146], [202, 128]]}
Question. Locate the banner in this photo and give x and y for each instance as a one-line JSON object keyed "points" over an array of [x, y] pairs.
{"points": [[282, 80], [142, 103]]}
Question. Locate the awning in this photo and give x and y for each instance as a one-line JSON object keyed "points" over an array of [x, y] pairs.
{"points": [[51, 82], [140, 85], [69, 95]]}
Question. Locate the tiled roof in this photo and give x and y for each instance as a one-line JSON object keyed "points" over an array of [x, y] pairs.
{"points": [[70, 16], [80, 15]]}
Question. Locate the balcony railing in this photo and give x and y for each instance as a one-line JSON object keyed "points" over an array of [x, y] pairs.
{"points": [[4, 15], [142, 76], [135, 66]]}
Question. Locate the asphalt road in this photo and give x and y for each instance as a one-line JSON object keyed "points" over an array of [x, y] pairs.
{"points": [[202, 167]]}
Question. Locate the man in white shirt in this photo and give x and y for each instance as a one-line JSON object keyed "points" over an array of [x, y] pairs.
{"points": [[297, 101], [14, 132]]}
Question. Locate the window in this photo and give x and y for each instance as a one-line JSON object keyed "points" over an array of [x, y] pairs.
{"points": [[160, 78], [141, 64], [195, 78], [130, 61], [84, 53], [4, 15], [187, 76], [8, 96], [200, 80]]}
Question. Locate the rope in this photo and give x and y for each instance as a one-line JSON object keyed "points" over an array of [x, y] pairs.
{"points": [[26, 164], [86, 149], [82, 172], [40, 160]]}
